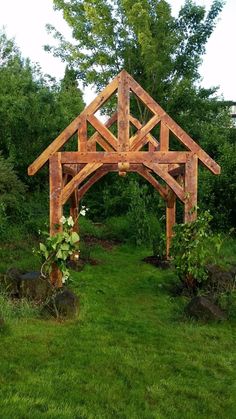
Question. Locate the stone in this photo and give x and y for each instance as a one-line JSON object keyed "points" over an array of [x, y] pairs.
{"points": [[12, 282], [203, 309], [64, 304], [34, 287], [30, 285], [219, 279]]}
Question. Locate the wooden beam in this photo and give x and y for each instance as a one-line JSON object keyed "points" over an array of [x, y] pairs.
{"points": [[79, 178], [144, 172], [90, 182], [191, 181], [82, 134], [149, 138], [139, 139], [174, 127], [54, 147], [103, 131], [164, 137], [55, 182], [131, 157], [123, 112], [97, 138], [102, 98], [170, 219], [171, 182]]}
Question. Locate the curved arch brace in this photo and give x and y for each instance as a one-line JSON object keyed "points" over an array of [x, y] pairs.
{"points": [[77, 179], [140, 169], [171, 182]]}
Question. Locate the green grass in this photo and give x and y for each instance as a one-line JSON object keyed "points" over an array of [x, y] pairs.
{"points": [[131, 354]]}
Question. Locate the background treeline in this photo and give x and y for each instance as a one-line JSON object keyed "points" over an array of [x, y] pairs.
{"points": [[163, 54]]}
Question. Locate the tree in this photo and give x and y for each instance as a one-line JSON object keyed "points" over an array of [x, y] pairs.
{"points": [[163, 53], [34, 109]]}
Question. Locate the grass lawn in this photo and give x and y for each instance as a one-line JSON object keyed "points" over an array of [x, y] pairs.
{"points": [[131, 354]]}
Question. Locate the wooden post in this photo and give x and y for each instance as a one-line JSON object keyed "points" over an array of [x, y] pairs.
{"points": [[170, 219], [55, 181], [123, 112], [191, 181], [82, 134], [74, 212]]}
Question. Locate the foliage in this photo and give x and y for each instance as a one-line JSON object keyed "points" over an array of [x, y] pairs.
{"points": [[141, 36], [34, 109], [192, 245], [138, 214], [58, 248], [12, 191], [159, 246]]}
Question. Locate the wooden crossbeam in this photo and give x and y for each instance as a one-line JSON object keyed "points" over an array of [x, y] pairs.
{"points": [[149, 138], [103, 131], [102, 98], [91, 181], [138, 140], [79, 178], [171, 182], [97, 138], [173, 126], [143, 171], [138, 168], [73, 157]]}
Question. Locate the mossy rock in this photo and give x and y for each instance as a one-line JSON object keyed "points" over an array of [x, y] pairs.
{"points": [[64, 304], [29, 285]]}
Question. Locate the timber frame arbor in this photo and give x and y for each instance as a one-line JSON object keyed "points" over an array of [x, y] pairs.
{"points": [[71, 174]]}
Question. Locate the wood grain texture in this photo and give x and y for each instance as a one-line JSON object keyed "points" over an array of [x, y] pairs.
{"points": [[170, 181], [164, 137], [123, 112], [79, 178], [191, 186], [73, 157], [139, 139], [103, 131], [170, 219], [55, 182], [144, 172]]}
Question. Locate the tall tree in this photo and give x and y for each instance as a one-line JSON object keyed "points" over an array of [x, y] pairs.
{"points": [[160, 51], [34, 109]]}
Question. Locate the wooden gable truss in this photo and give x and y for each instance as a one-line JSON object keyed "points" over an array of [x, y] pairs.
{"points": [[71, 174]]}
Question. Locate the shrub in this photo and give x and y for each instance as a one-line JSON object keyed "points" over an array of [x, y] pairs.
{"points": [[58, 248], [192, 246]]}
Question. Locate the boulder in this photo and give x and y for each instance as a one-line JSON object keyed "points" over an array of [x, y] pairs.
{"points": [[12, 281], [219, 279], [30, 285], [34, 287], [64, 304], [203, 309]]}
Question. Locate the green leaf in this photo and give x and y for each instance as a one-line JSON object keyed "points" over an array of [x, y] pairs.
{"points": [[74, 238]]}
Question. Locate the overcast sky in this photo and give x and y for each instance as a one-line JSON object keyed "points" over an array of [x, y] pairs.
{"points": [[26, 19]]}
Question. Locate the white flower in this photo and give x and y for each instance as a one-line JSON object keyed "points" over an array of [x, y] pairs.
{"points": [[83, 210], [70, 221], [63, 220]]}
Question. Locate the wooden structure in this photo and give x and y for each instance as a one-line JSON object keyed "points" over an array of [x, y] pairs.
{"points": [[73, 173]]}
